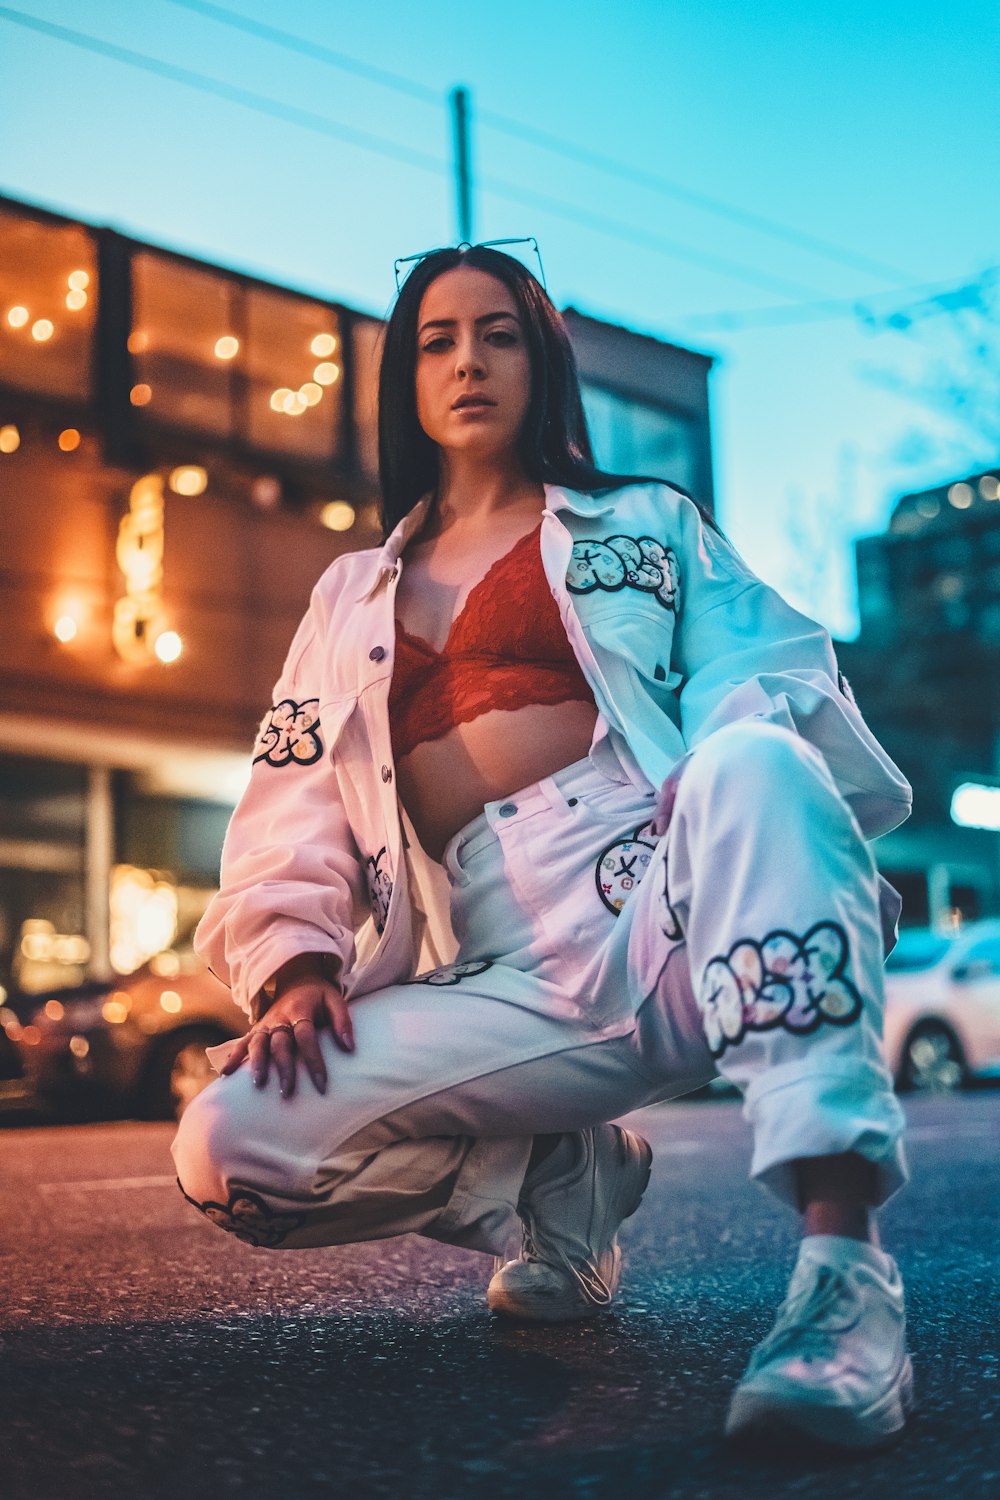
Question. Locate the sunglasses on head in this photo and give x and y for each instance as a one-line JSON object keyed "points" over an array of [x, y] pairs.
{"points": [[411, 260]]}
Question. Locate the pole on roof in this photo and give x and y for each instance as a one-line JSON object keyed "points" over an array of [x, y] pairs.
{"points": [[463, 174]]}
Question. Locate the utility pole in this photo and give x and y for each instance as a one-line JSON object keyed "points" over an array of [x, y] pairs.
{"points": [[463, 176]]}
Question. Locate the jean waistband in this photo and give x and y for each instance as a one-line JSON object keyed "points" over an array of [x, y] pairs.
{"points": [[558, 791]]}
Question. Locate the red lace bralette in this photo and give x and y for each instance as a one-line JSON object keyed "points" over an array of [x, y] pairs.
{"points": [[507, 648]]}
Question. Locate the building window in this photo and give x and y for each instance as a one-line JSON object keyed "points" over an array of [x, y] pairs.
{"points": [[179, 314], [48, 295], [254, 365], [636, 437]]}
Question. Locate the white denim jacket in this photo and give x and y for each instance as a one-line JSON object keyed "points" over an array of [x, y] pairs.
{"points": [[674, 634]]}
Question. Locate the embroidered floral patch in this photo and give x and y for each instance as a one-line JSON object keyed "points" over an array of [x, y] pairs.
{"points": [[452, 973], [379, 878], [289, 734], [621, 866], [796, 983], [625, 562], [248, 1217]]}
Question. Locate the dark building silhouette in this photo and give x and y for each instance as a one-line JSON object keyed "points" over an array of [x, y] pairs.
{"points": [[926, 671]]}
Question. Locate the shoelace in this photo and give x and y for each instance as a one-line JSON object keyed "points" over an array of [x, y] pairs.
{"points": [[536, 1247], [800, 1315]]}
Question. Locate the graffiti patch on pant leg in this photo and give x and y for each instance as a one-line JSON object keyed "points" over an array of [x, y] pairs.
{"points": [[248, 1217], [452, 973], [796, 983], [621, 866]]}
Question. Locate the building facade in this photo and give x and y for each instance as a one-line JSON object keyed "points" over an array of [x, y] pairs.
{"points": [[183, 451], [926, 671]]}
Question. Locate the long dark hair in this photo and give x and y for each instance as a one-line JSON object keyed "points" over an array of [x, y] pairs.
{"points": [[554, 444]]}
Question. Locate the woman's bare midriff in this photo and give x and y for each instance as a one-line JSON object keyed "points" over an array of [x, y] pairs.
{"points": [[445, 783]]}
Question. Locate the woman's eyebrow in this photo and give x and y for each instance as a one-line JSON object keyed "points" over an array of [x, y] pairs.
{"points": [[450, 322]]}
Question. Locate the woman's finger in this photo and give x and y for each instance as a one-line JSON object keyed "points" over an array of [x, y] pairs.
{"points": [[340, 1020], [283, 1057], [308, 1045], [260, 1055], [240, 1050]]}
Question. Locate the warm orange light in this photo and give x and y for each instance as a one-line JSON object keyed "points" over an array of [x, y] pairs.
{"points": [[279, 397], [76, 300], [30, 1036], [65, 629], [323, 344], [327, 373], [293, 404], [10, 439], [138, 341], [42, 330], [78, 280], [17, 316], [140, 395], [311, 393], [168, 646], [337, 515], [79, 1046], [227, 347], [115, 1011], [189, 479], [171, 1001], [69, 439], [54, 1010]]}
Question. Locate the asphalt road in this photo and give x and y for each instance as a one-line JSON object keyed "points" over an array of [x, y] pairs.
{"points": [[145, 1354]]}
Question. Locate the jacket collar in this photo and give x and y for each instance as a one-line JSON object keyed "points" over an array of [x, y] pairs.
{"points": [[557, 498]]}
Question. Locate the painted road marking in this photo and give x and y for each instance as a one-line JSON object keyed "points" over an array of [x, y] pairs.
{"points": [[106, 1184]]}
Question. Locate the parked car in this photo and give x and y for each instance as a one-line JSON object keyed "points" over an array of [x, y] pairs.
{"points": [[136, 1044], [942, 1016]]}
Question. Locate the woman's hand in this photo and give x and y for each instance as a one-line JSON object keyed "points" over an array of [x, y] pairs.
{"points": [[660, 821], [306, 1001]]}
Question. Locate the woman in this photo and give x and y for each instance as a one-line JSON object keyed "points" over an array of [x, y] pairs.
{"points": [[556, 734]]}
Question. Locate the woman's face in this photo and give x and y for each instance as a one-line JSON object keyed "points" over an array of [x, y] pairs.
{"points": [[471, 342]]}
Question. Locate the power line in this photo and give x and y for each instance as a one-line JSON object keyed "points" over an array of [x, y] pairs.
{"points": [[231, 93], [676, 249], [516, 128], [946, 296], [365, 140], [293, 43]]}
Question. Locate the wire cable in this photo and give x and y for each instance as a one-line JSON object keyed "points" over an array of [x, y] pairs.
{"points": [[548, 142], [231, 93]]}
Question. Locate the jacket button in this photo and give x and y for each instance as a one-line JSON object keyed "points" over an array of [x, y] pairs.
{"points": [[376, 653], [386, 774], [508, 810]]}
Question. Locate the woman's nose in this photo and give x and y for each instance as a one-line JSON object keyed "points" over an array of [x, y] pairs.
{"points": [[469, 362]]}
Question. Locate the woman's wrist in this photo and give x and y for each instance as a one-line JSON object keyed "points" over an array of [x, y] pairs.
{"points": [[316, 966]]}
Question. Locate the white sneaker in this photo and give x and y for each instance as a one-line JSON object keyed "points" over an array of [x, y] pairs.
{"points": [[835, 1366], [571, 1206]]}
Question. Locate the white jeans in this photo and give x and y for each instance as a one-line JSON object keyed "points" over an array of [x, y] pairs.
{"points": [[746, 940]]}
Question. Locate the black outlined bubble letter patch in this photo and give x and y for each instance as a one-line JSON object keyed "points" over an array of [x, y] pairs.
{"points": [[289, 734]]}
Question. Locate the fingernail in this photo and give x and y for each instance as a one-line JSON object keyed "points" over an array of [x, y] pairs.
{"points": [[348, 1040]]}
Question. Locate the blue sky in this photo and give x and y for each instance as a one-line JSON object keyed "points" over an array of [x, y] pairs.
{"points": [[865, 131]]}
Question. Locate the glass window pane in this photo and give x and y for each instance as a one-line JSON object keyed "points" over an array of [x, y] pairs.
{"points": [[633, 437], [293, 365], [48, 295], [180, 313]]}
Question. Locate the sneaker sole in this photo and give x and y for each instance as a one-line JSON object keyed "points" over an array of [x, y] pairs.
{"points": [[755, 1418], [567, 1305]]}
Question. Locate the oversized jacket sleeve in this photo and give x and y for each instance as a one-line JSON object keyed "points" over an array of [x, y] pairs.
{"points": [[743, 652], [291, 876]]}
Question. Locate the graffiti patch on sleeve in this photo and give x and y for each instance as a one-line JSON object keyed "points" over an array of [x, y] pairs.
{"points": [[379, 878], [625, 562], [796, 983], [621, 866], [452, 973], [248, 1217], [289, 734]]}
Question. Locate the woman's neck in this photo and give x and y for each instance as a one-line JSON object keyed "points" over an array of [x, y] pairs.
{"points": [[470, 492]]}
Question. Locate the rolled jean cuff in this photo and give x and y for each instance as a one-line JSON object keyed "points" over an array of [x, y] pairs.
{"points": [[482, 1210], [797, 1111]]}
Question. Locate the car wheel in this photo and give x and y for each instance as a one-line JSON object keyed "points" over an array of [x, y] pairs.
{"points": [[933, 1060], [177, 1073]]}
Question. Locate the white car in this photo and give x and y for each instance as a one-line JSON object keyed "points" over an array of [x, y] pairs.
{"points": [[942, 1014]]}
